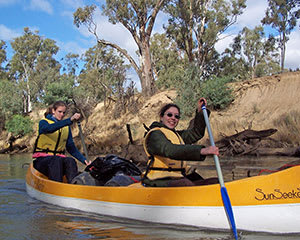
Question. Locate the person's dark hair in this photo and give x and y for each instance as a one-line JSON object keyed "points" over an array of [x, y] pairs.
{"points": [[166, 107], [54, 106]]}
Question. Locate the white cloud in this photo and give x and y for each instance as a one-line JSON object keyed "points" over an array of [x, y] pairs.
{"points": [[114, 33], [41, 5], [71, 47], [7, 34], [251, 17], [224, 42], [161, 19], [253, 14], [7, 2], [292, 55]]}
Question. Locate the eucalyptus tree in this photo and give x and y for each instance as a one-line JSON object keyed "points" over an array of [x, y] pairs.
{"points": [[10, 101], [9, 92], [197, 25], [282, 15], [232, 63], [2, 52], [32, 64], [46, 69], [3, 59], [168, 62], [252, 46], [138, 17], [71, 63], [103, 72], [257, 50]]}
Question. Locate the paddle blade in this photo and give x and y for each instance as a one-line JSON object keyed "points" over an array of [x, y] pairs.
{"points": [[229, 212]]}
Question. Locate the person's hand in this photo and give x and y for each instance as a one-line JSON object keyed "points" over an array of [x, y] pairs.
{"points": [[211, 150], [75, 117], [87, 162], [200, 103]]}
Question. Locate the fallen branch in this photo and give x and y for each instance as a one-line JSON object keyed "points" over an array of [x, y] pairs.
{"points": [[242, 143]]}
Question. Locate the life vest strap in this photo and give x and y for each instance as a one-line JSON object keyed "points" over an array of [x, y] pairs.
{"points": [[48, 151]]}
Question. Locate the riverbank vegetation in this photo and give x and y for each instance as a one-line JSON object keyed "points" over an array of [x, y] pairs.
{"points": [[182, 59]]}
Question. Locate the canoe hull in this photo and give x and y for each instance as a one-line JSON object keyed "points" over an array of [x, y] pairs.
{"points": [[161, 205]]}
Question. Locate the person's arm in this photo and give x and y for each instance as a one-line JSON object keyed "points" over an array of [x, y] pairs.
{"points": [[158, 144], [196, 132], [45, 127], [72, 149]]}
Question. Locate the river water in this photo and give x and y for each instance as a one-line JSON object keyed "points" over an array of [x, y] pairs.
{"points": [[22, 217]]}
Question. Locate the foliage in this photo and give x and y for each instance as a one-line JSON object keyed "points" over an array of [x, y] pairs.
{"points": [[19, 125], [189, 91], [60, 90], [257, 50], [251, 55], [10, 100], [167, 63], [71, 63], [138, 17], [32, 65], [2, 52], [183, 57], [196, 26], [282, 16], [103, 74], [232, 64], [3, 59], [215, 90]]}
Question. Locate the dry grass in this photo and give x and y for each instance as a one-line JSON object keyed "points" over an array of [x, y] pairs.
{"points": [[259, 104], [288, 126]]}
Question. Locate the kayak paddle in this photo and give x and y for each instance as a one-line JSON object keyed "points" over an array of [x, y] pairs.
{"points": [[224, 193]]}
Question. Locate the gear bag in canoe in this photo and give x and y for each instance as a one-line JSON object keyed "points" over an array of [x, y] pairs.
{"points": [[110, 170]]}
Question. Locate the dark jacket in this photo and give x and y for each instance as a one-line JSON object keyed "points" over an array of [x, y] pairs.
{"points": [[158, 144]]}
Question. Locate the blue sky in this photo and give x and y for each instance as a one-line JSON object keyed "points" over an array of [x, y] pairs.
{"points": [[54, 19]]}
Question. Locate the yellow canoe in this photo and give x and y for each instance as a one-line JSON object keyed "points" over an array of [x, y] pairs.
{"points": [[269, 203]]}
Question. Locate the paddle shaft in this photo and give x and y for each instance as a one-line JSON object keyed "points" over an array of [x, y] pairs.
{"points": [[82, 140], [81, 134], [212, 143], [224, 193]]}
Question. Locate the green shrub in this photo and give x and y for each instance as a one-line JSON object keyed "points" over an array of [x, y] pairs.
{"points": [[19, 125], [189, 91], [192, 87], [217, 92], [62, 90], [10, 98]]}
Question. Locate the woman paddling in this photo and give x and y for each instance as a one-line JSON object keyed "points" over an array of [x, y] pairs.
{"points": [[169, 149], [54, 137]]}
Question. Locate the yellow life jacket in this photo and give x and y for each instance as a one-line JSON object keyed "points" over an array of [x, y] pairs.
{"points": [[161, 167], [52, 143]]}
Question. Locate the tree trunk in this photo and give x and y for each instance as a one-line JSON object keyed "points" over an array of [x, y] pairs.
{"points": [[147, 81], [27, 94], [283, 42]]}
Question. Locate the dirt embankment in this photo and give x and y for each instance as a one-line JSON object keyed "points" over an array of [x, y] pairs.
{"points": [[258, 103]]}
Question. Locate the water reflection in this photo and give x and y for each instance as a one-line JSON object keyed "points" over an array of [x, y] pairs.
{"points": [[22, 217]]}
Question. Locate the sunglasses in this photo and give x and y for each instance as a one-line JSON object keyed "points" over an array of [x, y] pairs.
{"points": [[171, 115]]}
